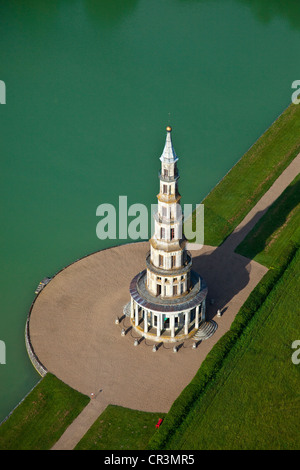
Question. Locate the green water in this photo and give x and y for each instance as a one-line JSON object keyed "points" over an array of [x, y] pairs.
{"points": [[90, 87]]}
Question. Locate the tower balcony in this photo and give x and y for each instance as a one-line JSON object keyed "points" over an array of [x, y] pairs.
{"points": [[168, 178], [169, 198], [175, 271], [168, 220], [168, 246]]}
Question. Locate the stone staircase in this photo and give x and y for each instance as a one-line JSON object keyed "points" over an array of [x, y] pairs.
{"points": [[205, 331]]}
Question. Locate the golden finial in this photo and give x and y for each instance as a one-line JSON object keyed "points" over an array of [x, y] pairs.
{"points": [[169, 128]]}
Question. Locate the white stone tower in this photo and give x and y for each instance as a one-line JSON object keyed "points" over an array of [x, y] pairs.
{"points": [[167, 246], [168, 298]]}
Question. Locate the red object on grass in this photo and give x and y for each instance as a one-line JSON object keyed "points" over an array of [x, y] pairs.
{"points": [[159, 423]]}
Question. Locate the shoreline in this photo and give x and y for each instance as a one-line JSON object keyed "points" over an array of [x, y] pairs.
{"points": [[246, 152]]}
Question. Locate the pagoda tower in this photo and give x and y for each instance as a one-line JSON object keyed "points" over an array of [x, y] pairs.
{"points": [[168, 297]]}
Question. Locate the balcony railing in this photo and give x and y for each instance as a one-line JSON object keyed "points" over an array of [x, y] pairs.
{"points": [[165, 271], [169, 220], [165, 177]]}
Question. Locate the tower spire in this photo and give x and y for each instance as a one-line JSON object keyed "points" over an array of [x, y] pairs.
{"points": [[169, 155]]}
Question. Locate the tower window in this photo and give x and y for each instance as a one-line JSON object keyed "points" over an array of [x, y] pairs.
{"points": [[165, 188], [172, 234], [174, 290], [160, 260], [162, 233]]}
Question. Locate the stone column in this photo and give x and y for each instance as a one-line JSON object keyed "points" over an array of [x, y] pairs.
{"points": [[159, 322], [132, 308], [197, 317], [145, 321], [172, 325], [136, 314], [186, 322]]}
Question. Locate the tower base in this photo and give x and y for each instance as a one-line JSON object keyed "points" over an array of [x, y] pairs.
{"points": [[167, 320]]}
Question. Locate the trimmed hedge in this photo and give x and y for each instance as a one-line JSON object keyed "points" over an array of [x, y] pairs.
{"points": [[212, 364]]}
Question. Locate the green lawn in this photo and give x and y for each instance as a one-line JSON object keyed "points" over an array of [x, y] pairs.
{"points": [[255, 401], [39, 421], [230, 201], [120, 429], [279, 227]]}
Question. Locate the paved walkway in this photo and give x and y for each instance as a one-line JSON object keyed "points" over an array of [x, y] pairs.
{"points": [[73, 332], [81, 424], [282, 182]]}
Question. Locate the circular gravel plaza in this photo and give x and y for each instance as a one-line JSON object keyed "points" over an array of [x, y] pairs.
{"points": [[74, 333]]}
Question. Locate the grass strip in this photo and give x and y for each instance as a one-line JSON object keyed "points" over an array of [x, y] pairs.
{"points": [[276, 229], [42, 417], [119, 428]]}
